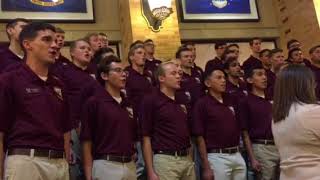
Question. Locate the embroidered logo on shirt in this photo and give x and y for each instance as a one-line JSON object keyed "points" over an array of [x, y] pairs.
{"points": [[184, 108], [130, 111], [124, 92], [157, 64], [199, 72], [245, 92], [232, 109], [32, 90], [93, 76], [58, 92], [197, 79], [187, 93], [271, 101], [149, 79], [150, 72]]}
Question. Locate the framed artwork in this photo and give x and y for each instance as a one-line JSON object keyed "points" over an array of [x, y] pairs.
{"points": [[48, 10], [218, 10]]}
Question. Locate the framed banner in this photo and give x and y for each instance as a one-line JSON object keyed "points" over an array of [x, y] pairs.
{"points": [[218, 10], [48, 10]]}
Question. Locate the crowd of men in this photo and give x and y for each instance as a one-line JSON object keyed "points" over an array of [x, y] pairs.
{"points": [[90, 117]]}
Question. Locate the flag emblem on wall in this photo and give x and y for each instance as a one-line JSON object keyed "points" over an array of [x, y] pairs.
{"points": [[220, 3], [47, 3]]}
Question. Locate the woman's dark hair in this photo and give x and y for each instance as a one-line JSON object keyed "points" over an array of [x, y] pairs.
{"points": [[104, 66], [294, 84]]}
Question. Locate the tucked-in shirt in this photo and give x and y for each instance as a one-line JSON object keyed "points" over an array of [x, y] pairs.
{"points": [[297, 138], [33, 112], [165, 121], [216, 122], [109, 125], [255, 115]]}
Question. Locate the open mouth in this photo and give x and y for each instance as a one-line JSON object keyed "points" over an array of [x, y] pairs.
{"points": [[53, 53]]}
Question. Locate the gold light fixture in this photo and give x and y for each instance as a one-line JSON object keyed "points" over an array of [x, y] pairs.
{"points": [[155, 12]]}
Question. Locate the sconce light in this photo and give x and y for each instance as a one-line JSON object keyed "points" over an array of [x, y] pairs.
{"points": [[155, 11]]}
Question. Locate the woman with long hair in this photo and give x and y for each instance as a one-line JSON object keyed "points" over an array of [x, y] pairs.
{"points": [[296, 123]]}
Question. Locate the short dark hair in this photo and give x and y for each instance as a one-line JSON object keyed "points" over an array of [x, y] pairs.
{"points": [[30, 31], [148, 40], [180, 50], [228, 62], [135, 43], [102, 34], [208, 71], [291, 41], [250, 71], [219, 44], [313, 49], [104, 66], [274, 51], [74, 43], [98, 55], [12, 23], [294, 84], [292, 51], [89, 35], [225, 53], [265, 51], [59, 30], [189, 44], [253, 39], [233, 45]]}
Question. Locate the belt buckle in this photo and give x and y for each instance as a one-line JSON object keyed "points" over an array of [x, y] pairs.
{"points": [[266, 142], [176, 153], [122, 158]]}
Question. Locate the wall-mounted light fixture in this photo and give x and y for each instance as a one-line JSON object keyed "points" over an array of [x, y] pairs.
{"points": [[155, 11]]}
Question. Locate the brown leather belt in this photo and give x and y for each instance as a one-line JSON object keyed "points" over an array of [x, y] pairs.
{"points": [[263, 141], [121, 159], [230, 150], [51, 154], [184, 152]]}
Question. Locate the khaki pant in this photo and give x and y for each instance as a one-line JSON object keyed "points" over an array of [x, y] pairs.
{"points": [[174, 167], [269, 159], [21, 167], [108, 170], [227, 166]]}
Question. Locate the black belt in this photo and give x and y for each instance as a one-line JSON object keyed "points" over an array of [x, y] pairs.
{"points": [[121, 159], [51, 154], [230, 150], [184, 152], [263, 141]]}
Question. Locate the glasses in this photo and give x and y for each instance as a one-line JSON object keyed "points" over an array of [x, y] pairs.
{"points": [[118, 70]]}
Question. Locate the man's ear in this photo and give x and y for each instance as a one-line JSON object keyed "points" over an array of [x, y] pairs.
{"points": [[27, 44], [249, 80], [207, 83], [104, 76]]}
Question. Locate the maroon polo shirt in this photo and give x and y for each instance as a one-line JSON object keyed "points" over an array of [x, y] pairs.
{"points": [[216, 62], [165, 121], [250, 62], [191, 87], [137, 86], [8, 60], [316, 72], [271, 80], [79, 86], [151, 65], [216, 122], [198, 70], [33, 112], [238, 92], [255, 115], [109, 125]]}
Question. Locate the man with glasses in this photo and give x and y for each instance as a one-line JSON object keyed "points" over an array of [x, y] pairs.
{"points": [[109, 130]]}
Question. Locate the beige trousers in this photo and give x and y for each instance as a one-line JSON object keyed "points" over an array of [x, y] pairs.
{"points": [[174, 167], [108, 170], [268, 156], [21, 167]]}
